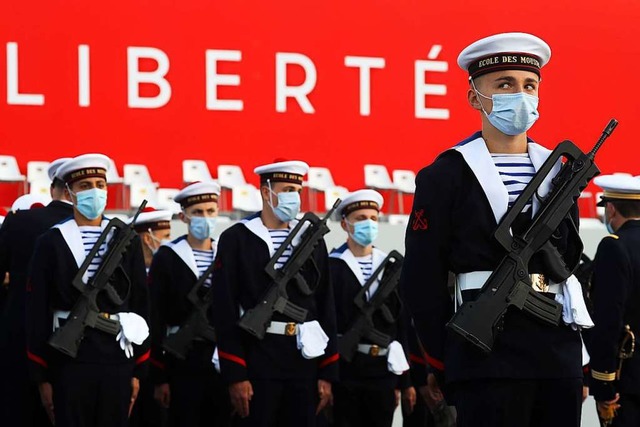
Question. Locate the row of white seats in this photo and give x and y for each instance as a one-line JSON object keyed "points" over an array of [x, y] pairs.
{"points": [[245, 196]]}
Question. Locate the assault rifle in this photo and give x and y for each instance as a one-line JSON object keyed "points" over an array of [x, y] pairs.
{"points": [[362, 326], [509, 285], [257, 319], [197, 324], [85, 312]]}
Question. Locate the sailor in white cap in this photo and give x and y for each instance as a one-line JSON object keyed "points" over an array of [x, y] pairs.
{"points": [[154, 228], [615, 294], [376, 373], [459, 200], [283, 379], [107, 367], [17, 241], [191, 389]]}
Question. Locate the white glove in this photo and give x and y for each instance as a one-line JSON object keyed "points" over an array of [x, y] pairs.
{"points": [[125, 345], [311, 339], [216, 359], [574, 310], [396, 360], [133, 330]]}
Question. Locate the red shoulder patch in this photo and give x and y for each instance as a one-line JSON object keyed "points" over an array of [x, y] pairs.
{"points": [[419, 222]]}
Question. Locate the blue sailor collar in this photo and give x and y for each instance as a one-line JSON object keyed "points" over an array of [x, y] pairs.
{"points": [[345, 254], [182, 248], [475, 153], [73, 238], [256, 226]]}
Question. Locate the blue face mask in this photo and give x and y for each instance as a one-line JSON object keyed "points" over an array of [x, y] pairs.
{"points": [[364, 232], [201, 227], [512, 113], [288, 205], [91, 203]]}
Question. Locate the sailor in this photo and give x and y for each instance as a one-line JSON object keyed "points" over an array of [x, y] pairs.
{"points": [[98, 386], [285, 378], [154, 229], [533, 376], [370, 385], [19, 398], [191, 389], [615, 294]]}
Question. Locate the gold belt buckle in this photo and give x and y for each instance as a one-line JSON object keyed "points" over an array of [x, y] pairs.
{"points": [[374, 350], [290, 329], [105, 315], [539, 282]]}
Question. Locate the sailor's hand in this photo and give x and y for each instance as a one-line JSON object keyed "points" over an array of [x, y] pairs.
{"points": [[135, 388], [46, 397], [324, 394], [162, 395], [607, 409], [241, 394]]}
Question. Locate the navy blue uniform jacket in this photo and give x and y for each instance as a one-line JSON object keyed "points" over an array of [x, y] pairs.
{"points": [[239, 281]]}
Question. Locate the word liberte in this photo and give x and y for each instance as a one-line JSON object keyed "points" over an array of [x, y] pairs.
{"points": [[214, 80]]}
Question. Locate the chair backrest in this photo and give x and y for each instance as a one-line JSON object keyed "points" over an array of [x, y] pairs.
{"points": [[230, 176], [599, 209], [143, 191], [319, 179], [377, 176], [40, 187], [9, 169], [246, 198], [136, 174], [37, 171], [113, 177], [165, 198], [405, 181], [195, 170], [331, 194]]}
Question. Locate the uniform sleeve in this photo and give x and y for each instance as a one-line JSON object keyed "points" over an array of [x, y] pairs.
{"points": [[139, 304], [611, 284], [159, 280], [39, 322], [225, 310], [327, 364], [5, 246], [425, 269]]}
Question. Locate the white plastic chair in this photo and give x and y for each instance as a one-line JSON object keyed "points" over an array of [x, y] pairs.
{"points": [[10, 172], [331, 194], [113, 177], [195, 170], [230, 176], [137, 174], [246, 198], [37, 171], [40, 187], [318, 180], [165, 198], [405, 183], [143, 191], [377, 177]]}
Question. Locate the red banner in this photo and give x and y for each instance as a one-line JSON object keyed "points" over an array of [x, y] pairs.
{"points": [[336, 83]]}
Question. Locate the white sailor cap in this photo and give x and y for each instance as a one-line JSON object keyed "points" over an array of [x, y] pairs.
{"points": [[30, 201], [360, 199], [53, 166], [505, 51], [619, 186], [83, 166], [152, 219], [292, 171], [198, 192]]}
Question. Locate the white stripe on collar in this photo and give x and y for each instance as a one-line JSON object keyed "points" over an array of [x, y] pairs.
{"points": [[73, 238], [477, 156], [182, 248]]}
